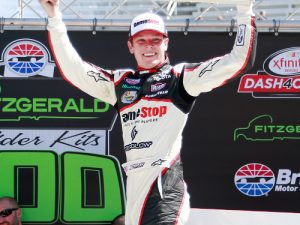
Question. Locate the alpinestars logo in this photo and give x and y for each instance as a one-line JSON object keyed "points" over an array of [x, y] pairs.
{"points": [[280, 77], [208, 67], [96, 76]]}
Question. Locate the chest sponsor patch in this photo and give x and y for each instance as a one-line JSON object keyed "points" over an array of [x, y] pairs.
{"points": [[159, 77], [125, 86], [157, 94], [129, 97], [132, 81], [157, 87]]}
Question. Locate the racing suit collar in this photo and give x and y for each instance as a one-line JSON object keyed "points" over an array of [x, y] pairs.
{"points": [[155, 69]]}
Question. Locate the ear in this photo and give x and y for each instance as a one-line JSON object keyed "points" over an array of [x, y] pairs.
{"points": [[130, 46], [166, 44], [19, 213]]}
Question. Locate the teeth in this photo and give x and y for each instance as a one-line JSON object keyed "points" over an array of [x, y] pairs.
{"points": [[149, 54]]}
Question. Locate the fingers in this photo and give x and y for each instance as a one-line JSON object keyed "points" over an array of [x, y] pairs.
{"points": [[49, 2], [50, 7]]}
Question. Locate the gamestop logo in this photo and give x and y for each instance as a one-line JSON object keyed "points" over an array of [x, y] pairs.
{"points": [[256, 180], [145, 112], [279, 78]]}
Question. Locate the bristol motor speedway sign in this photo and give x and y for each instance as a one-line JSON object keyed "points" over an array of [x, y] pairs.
{"points": [[255, 179]]}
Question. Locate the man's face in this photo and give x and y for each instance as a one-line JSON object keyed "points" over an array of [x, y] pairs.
{"points": [[149, 48], [13, 219]]}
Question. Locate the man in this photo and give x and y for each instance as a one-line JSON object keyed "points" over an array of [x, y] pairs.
{"points": [[10, 213], [153, 103]]}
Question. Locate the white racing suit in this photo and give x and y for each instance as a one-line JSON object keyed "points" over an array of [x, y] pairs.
{"points": [[153, 106]]}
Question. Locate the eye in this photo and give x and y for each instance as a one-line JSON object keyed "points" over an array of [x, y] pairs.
{"points": [[157, 40], [140, 41]]}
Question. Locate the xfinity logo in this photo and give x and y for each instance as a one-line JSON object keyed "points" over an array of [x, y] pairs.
{"points": [[285, 62]]}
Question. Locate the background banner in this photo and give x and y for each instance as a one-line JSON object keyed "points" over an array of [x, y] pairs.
{"points": [[61, 150]]}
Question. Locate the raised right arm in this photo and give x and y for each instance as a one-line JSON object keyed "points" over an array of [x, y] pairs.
{"points": [[89, 78]]}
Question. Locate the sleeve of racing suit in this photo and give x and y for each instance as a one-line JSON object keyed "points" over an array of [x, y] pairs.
{"points": [[87, 77], [204, 77]]}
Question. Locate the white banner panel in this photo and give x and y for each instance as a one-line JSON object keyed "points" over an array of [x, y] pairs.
{"points": [[58, 140], [235, 217]]}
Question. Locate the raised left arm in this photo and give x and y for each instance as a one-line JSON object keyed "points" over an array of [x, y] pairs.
{"points": [[204, 77]]}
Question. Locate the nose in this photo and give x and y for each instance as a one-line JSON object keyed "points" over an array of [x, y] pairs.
{"points": [[149, 43]]}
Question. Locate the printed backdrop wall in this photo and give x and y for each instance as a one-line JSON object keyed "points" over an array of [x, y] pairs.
{"points": [[61, 150]]}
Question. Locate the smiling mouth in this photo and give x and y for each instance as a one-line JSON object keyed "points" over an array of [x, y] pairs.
{"points": [[149, 54]]}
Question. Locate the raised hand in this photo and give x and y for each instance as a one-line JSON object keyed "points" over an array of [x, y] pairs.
{"points": [[51, 7]]}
